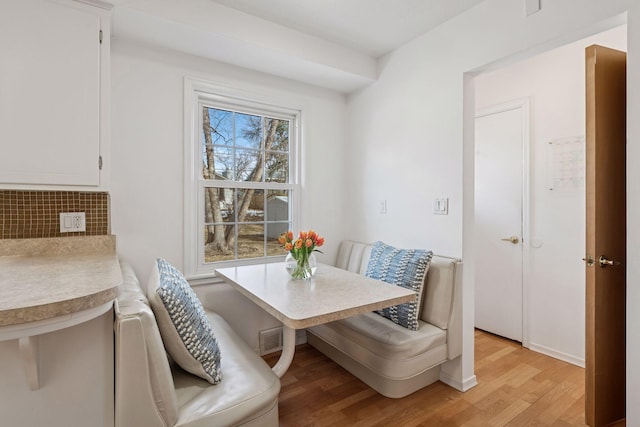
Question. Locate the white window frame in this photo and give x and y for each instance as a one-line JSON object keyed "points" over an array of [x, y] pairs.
{"points": [[197, 94]]}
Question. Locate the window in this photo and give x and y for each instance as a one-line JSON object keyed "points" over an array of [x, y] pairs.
{"points": [[242, 182]]}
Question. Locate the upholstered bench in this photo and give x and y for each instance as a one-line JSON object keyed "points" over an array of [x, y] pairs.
{"points": [[151, 391], [390, 358]]}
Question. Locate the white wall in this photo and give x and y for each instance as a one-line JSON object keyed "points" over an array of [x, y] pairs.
{"points": [[554, 82], [147, 154], [411, 136], [633, 219], [75, 367]]}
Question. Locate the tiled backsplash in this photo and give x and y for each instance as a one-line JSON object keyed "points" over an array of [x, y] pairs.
{"points": [[30, 214]]}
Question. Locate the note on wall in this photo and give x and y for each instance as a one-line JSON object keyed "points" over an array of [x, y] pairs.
{"points": [[566, 163]]}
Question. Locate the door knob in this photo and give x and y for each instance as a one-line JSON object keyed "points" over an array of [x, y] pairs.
{"points": [[512, 239], [604, 261]]}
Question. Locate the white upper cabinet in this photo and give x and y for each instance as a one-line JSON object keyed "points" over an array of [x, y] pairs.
{"points": [[54, 64]]}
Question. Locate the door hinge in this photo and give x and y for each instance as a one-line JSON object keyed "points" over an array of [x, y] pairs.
{"points": [[100, 162], [100, 36]]}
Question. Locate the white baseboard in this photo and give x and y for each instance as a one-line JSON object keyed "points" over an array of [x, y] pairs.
{"points": [[460, 386], [557, 354]]}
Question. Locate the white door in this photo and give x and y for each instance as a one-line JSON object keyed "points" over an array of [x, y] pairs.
{"points": [[499, 141]]}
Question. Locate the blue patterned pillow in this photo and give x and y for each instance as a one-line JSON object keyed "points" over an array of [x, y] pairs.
{"points": [[401, 267], [183, 323]]}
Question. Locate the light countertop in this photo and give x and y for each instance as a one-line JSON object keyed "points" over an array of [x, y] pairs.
{"points": [[44, 278]]}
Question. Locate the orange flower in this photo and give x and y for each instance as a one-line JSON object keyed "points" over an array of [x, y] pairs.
{"points": [[305, 244]]}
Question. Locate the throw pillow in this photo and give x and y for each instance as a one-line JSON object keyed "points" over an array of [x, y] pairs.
{"points": [[183, 323], [400, 267]]}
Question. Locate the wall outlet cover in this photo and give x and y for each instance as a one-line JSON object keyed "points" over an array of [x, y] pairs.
{"points": [[72, 222]]}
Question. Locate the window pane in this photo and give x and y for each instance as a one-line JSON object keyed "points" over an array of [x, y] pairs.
{"points": [[273, 232], [221, 126], [280, 140], [219, 205], [222, 164], [250, 241], [248, 165], [277, 167], [248, 131], [217, 143], [250, 205], [278, 221], [217, 247], [278, 205]]}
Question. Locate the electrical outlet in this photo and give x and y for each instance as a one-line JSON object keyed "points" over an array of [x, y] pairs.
{"points": [[72, 222]]}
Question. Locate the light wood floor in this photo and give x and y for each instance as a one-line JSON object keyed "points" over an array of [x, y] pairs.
{"points": [[516, 387]]}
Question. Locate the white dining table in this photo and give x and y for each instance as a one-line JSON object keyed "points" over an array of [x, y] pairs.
{"points": [[331, 294]]}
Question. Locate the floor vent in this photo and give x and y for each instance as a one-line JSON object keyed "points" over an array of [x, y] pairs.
{"points": [[270, 340]]}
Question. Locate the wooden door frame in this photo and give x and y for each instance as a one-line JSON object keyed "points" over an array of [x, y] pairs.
{"points": [[524, 104]]}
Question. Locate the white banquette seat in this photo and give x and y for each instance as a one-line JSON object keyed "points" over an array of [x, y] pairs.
{"points": [[391, 359], [150, 391]]}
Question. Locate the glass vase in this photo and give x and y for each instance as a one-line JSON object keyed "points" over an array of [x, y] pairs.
{"points": [[302, 268]]}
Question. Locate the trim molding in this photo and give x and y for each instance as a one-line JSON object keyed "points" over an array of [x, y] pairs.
{"points": [[557, 354], [463, 386]]}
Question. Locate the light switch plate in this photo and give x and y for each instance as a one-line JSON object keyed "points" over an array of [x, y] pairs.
{"points": [[441, 206], [383, 207]]}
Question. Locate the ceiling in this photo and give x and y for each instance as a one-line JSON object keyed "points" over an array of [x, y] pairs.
{"points": [[373, 27], [333, 44]]}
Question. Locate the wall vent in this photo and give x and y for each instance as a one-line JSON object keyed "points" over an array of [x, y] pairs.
{"points": [[270, 340]]}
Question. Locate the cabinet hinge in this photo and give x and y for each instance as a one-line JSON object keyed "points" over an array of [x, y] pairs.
{"points": [[100, 36], [100, 162]]}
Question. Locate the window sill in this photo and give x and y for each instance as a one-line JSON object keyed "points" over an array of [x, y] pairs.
{"points": [[210, 279]]}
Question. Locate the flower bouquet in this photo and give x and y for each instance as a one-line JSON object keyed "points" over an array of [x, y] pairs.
{"points": [[301, 262]]}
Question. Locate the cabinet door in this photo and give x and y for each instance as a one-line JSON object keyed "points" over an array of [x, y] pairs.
{"points": [[49, 93]]}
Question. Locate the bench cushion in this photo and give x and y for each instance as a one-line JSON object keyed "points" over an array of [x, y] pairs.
{"points": [[439, 291], [385, 347], [249, 389], [391, 359]]}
